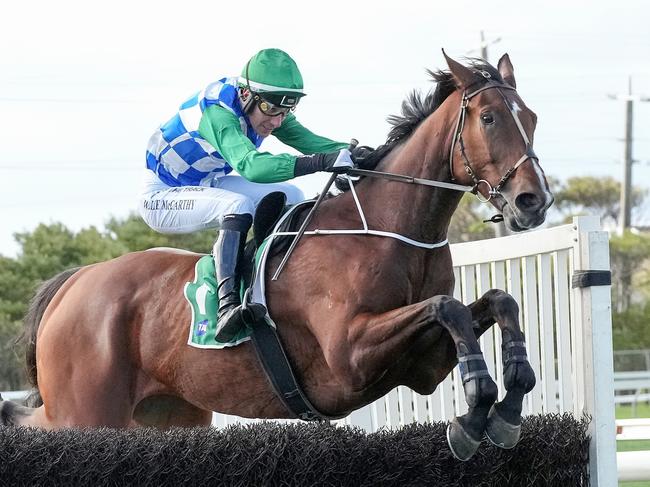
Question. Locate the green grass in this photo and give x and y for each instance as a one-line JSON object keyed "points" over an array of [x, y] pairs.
{"points": [[624, 411], [632, 445]]}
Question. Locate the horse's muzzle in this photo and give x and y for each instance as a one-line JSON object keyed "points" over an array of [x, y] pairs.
{"points": [[528, 211]]}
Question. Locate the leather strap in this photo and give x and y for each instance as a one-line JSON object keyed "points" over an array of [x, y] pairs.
{"points": [[591, 278], [480, 369], [279, 373]]}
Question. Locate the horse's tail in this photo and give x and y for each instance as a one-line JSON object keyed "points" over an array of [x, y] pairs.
{"points": [[37, 306]]}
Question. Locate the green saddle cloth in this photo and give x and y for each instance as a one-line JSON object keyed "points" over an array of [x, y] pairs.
{"points": [[204, 302], [202, 294]]}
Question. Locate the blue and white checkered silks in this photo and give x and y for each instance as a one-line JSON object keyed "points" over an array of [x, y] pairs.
{"points": [[176, 151]]}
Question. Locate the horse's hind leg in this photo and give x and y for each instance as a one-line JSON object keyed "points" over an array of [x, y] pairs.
{"points": [[464, 434], [504, 421]]}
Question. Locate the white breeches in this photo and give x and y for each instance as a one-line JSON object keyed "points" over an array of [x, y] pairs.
{"points": [[187, 209]]}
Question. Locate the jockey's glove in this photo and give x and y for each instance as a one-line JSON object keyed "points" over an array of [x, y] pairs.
{"points": [[336, 162], [360, 153]]}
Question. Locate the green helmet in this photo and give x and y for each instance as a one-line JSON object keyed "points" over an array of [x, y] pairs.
{"points": [[272, 74]]}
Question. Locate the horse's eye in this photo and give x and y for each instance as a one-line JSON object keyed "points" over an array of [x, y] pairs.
{"points": [[487, 118]]}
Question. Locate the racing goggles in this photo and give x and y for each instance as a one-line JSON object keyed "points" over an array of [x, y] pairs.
{"points": [[271, 110]]}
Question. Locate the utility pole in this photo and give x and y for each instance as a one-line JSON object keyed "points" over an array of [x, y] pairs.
{"points": [[485, 44], [624, 220], [483, 47]]}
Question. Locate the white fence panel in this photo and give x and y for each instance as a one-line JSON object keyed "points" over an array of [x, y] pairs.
{"points": [[546, 333], [562, 328], [531, 331]]}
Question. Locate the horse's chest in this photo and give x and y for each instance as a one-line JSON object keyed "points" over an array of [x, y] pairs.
{"points": [[437, 282]]}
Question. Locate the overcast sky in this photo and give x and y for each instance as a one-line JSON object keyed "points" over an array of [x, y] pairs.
{"points": [[84, 84]]}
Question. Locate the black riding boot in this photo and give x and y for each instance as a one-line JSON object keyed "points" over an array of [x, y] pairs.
{"points": [[226, 252]]}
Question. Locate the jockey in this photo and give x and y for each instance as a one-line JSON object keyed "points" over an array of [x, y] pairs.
{"points": [[190, 184]]}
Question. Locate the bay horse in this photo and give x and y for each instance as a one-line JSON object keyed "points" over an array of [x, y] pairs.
{"points": [[358, 315]]}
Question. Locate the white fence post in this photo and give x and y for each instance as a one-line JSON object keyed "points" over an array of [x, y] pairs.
{"points": [[593, 311]]}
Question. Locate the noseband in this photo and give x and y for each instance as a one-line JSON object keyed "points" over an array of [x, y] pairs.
{"points": [[458, 138]]}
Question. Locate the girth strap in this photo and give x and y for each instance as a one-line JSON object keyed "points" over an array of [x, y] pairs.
{"points": [[277, 368]]}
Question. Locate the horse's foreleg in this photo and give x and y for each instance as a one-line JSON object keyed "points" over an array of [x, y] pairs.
{"points": [[504, 423], [378, 341], [465, 432], [375, 342]]}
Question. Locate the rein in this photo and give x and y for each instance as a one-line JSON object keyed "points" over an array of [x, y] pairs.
{"points": [[365, 230], [411, 180]]}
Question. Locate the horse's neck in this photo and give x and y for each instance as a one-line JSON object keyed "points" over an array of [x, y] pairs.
{"points": [[421, 212]]}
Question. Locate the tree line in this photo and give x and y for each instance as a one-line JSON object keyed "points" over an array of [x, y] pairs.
{"points": [[52, 248]]}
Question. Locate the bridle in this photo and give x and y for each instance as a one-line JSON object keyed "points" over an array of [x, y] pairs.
{"points": [[458, 138]]}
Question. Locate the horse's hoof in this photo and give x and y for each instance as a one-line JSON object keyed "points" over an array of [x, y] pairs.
{"points": [[461, 444], [500, 432]]}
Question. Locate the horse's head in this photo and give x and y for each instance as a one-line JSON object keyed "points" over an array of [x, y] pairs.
{"points": [[492, 144]]}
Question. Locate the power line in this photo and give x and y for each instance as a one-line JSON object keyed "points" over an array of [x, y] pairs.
{"points": [[125, 164], [70, 100], [69, 168], [68, 161]]}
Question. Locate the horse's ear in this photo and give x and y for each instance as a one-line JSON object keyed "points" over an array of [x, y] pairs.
{"points": [[463, 75], [506, 70]]}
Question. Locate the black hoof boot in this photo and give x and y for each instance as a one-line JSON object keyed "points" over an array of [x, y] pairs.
{"points": [[464, 433], [462, 444], [499, 431], [503, 427]]}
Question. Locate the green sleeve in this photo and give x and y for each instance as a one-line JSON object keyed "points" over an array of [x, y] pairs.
{"points": [[221, 128], [292, 133]]}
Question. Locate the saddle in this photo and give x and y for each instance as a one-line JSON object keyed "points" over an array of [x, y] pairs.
{"points": [[269, 211]]}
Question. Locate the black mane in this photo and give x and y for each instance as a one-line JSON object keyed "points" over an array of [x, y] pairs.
{"points": [[417, 107]]}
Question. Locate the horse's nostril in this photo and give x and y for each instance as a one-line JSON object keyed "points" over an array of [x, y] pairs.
{"points": [[528, 202]]}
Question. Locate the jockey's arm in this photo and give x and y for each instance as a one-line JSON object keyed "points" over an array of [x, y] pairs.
{"points": [[221, 128], [292, 133]]}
